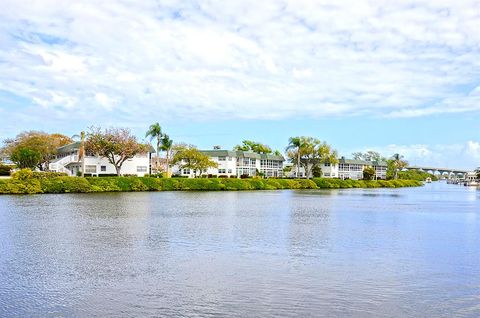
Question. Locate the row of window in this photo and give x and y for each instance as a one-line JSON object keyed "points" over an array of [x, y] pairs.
{"points": [[93, 169]]}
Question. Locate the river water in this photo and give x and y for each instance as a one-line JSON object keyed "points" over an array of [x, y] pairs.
{"points": [[412, 252]]}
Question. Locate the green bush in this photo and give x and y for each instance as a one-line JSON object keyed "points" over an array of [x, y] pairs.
{"points": [[26, 181], [416, 175], [5, 170], [342, 184], [65, 185], [16, 186]]}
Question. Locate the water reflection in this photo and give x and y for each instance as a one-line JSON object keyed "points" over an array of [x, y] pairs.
{"points": [[335, 253]]}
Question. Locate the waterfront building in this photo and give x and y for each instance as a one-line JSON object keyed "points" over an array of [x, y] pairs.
{"points": [[344, 169], [67, 161], [237, 164]]}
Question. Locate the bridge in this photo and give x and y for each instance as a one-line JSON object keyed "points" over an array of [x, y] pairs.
{"points": [[448, 172]]}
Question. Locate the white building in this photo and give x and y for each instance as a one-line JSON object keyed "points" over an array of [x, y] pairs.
{"points": [[345, 169], [238, 163], [67, 161]]}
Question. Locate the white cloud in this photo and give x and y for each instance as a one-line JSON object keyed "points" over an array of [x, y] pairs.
{"points": [[243, 59], [454, 156]]}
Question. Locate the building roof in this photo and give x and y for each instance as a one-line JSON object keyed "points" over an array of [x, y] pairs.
{"points": [[69, 148], [362, 162], [74, 146], [240, 154], [219, 153]]}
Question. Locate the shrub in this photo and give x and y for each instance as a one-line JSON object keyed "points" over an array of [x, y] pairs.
{"points": [[16, 186], [65, 185], [5, 170], [23, 174], [24, 181]]}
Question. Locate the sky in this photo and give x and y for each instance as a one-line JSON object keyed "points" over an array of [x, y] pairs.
{"points": [[390, 76]]}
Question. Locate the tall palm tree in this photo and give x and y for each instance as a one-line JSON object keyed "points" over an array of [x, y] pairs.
{"points": [[81, 151], [296, 144], [155, 132], [399, 163], [166, 146]]}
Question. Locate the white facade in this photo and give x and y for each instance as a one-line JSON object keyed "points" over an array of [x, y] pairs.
{"points": [[67, 161], [345, 169], [237, 164]]}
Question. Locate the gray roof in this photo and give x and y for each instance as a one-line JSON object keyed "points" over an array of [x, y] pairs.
{"points": [[219, 153], [240, 154], [362, 162], [74, 146], [69, 148]]}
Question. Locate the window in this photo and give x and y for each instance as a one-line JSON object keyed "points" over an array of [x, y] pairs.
{"points": [[229, 158], [186, 171], [90, 169], [229, 170], [222, 158], [103, 168], [221, 171], [141, 168], [327, 174]]}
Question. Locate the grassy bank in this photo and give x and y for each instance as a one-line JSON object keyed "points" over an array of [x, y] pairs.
{"points": [[38, 183]]}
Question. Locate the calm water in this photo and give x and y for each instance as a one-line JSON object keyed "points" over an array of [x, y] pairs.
{"points": [[346, 253]]}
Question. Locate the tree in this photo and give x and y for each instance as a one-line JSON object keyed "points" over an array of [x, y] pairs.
{"points": [[155, 132], [25, 158], [478, 172], [248, 145], [116, 144], [166, 146], [368, 173], [295, 145], [311, 153], [188, 157], [398, 164], [43, 143], [81, 150], [370, 155], [317, 172]]}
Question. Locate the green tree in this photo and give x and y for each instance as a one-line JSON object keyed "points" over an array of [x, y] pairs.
{"points": [[81, 151], [155, 132], [478, 172], [44, 144], [368, 173], [370, 155], [311, 153], [188, 157], [248, 145], [26, 158], [398, 164], [295, 146], [116, 144], [317, 172], [166, 146]]}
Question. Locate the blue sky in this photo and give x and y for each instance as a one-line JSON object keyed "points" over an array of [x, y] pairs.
{"points": [[392, 77]]}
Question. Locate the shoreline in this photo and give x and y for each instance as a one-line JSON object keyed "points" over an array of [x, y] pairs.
{"points": [[63, 184]]}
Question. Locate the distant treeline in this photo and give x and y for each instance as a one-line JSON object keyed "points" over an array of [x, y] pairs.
{"points": [[28, 182], [416, 175]]}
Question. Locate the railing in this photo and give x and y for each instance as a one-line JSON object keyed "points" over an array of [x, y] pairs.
{"points": [[59, 164]]}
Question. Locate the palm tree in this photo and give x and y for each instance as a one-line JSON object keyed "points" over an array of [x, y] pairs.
{"points": [[166, 146], [399, 163], [155, 132], [296, 144], [81, 151]]}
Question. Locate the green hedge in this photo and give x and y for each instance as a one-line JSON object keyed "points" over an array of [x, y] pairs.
{"points": [[416, 175], [342, 184], [24, 183]]}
